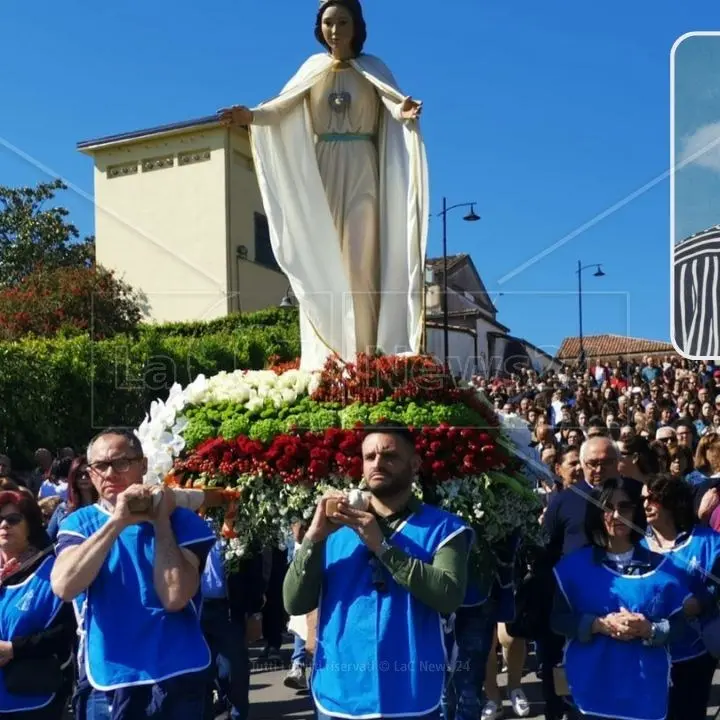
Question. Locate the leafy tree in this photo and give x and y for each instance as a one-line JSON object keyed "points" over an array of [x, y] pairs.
{"points": [[69, 301], [32, 234]]}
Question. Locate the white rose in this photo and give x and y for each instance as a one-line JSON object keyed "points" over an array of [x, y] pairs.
{"points": [[254, 404], [197, 391]]}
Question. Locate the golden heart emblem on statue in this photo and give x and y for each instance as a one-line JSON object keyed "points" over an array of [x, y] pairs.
{"points": [[339, 101]]}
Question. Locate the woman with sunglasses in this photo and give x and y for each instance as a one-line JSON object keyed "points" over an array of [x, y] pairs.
{"points": [[617, 603], [695, 551], [80, 493], [36, 628]]}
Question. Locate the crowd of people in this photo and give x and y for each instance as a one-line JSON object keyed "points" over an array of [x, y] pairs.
{"points": [[117, 603], [632, 450]]}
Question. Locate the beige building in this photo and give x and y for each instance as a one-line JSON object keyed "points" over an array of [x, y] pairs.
{"points": [[178, 215]]}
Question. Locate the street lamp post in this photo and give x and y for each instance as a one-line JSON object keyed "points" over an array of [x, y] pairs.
{"points": [[472, 216], [289, 300], [598, 273]]}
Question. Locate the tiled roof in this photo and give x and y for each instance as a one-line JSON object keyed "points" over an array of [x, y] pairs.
{"points": [[611, 346]]}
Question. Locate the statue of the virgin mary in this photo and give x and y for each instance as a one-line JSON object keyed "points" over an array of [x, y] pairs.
{"points": [[342, 170]]}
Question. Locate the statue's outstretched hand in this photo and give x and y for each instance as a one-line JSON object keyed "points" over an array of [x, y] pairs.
{"points": [[410, 109], [237, 115]]}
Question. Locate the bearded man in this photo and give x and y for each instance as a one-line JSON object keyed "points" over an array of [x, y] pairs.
{"points": [[384, 580]]}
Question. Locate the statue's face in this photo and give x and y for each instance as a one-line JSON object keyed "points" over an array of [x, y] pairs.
{"points": [[338, 29]]}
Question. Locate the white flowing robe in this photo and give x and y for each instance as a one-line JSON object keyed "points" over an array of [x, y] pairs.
{"points": [[303, 231]]}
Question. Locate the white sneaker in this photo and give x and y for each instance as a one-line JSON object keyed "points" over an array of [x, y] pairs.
{"points": [[491, 711], [519, 702], [295, 679]]}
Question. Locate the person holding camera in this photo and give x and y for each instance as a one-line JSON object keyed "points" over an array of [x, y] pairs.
{"points": [[384, 580], [131, 563]]}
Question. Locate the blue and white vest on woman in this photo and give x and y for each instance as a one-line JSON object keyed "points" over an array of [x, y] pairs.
{"points": [[693, 557], [380, 652], [128, 638], [638, 689], [25, 609]]}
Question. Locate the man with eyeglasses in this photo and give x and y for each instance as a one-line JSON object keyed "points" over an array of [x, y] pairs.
{"points": [[383, 579], [131, 563]]}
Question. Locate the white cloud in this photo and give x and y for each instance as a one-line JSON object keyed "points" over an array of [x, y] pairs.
{"points": [[701, 148]]}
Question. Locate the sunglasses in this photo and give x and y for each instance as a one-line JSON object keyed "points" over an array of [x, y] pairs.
{"points": [[12, 518], [624, 507]]}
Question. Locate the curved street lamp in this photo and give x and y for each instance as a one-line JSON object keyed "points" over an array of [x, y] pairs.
{"points": [[598, 273], [471, 216], [289, 300]]}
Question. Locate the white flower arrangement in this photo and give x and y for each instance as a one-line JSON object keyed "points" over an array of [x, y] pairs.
{"points": [[161, 432], [270, 506]]}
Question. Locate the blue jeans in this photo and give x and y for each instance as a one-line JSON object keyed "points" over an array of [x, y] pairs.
{"points": [[179, 698], [299, 655], [473, 636], [230, 660]]}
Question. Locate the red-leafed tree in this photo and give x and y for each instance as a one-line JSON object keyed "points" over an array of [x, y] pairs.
{"points": [[69, 300], [49, 282]]}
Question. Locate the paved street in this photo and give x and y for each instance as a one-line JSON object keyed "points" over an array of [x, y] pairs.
{"points": [[270, 700]]}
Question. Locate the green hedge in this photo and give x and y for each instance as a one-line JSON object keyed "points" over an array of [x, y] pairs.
{"points": [[272, 317], [58, 392]]}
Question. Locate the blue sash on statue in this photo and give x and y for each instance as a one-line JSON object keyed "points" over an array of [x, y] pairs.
{"points": [[380, 651], [26, 609]]}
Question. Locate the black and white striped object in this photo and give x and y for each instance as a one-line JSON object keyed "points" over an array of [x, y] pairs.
{"points": [[696, 278]]}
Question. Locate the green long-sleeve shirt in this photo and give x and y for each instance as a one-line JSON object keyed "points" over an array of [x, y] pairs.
{"points": [[440, 584]]}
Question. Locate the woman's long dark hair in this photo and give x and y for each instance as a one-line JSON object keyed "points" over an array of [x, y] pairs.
{"points": [[595, 528], [675, 496], [74, 500], [30, 510], [359, 27]]}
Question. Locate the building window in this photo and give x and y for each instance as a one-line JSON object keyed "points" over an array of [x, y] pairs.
{"points": [[263, 248]]}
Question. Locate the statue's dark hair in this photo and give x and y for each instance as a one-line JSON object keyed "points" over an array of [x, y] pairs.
{"points": [[359, 27]]}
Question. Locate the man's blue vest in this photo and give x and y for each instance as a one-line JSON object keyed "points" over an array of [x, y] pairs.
{"points": [[127, 636], [380, 651]]}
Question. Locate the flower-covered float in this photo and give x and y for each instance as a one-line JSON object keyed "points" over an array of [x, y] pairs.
{"points": [[279, 438]]}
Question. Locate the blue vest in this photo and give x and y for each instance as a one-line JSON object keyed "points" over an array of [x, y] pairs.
{"points": [[693, 558], [380, 653], [639, 688], [25, 609], [128, 638]]}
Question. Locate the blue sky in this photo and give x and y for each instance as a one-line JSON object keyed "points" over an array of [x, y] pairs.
{"points": [[697, 130], [548, 115]]}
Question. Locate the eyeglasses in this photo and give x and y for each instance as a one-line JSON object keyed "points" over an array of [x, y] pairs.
{"points": [[650, 498], [597, 464], [118, 465], [624, 507], [12, 518]]}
